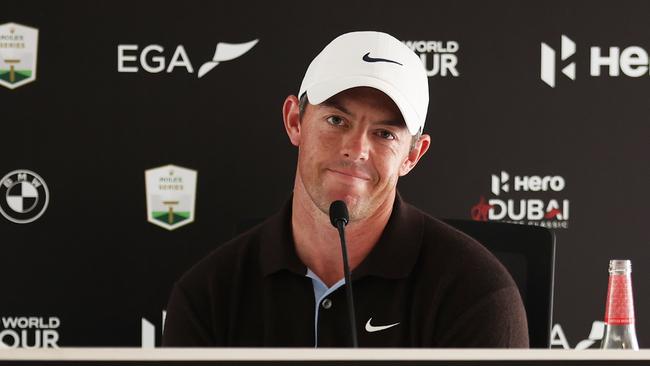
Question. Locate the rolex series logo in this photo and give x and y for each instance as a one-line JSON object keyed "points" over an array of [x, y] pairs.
{"points": [[18, 49], [170, 196]]}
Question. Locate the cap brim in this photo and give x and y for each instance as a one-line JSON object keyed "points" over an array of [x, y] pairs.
{"points": [[322, 91]]}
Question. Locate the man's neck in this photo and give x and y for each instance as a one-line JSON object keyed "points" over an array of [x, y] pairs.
{"points": [[317, 242]]}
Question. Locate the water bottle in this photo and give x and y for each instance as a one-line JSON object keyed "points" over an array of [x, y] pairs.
{"points": [[619, 310]]}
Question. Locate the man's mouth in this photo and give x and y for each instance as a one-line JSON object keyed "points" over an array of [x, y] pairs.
{"points": [[352, 174]]}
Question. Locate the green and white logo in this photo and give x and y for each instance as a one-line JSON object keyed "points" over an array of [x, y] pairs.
{"points": [[18, 49], [171, 192]]}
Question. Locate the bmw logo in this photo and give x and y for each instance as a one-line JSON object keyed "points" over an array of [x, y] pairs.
{"points": [[23, 196]]}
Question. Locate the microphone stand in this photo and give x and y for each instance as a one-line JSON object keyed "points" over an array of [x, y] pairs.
{"points": [[348, 284], [339, 217]]}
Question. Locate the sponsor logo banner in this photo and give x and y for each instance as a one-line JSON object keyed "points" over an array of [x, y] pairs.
{"points": [[23, 196], [171, 193], [524, 200], [153, 58], [18, 51], [631, 61], [29, 332], [559, 339], [149, 332], [438, 57]]}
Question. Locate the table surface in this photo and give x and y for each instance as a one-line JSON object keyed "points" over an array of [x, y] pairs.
{"points": [[309, 354]]}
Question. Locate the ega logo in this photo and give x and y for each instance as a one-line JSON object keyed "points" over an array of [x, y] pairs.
{"points": [[153, 60]]}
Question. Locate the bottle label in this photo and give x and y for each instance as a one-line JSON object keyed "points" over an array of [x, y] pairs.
{"points": [[620, 305]]}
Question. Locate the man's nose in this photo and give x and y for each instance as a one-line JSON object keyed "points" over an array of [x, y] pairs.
{"points": [[356, 145]]}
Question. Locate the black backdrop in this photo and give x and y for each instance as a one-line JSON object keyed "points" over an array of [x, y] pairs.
{"points": [[94, 262]]}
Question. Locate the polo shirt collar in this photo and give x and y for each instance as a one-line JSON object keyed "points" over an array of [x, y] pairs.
{"points": [[393, 256], [278, 251], [397, 250]]}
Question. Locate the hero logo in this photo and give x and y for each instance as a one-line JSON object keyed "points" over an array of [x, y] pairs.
{"points": [[148, 331], [152, 57], [632, 61], [553, 213], [547, 72], [532, 183], [29, 332], [438, 57]]}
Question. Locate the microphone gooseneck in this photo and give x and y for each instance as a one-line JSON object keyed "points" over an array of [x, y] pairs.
{"points": [[339, 217]]}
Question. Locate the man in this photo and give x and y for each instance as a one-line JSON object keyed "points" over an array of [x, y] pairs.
{"points": [[417, 281]]}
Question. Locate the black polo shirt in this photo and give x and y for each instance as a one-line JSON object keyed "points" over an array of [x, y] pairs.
{"points": [[440, 286]]}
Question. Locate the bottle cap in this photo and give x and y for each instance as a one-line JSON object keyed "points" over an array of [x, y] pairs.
{"points": [[620, 266]]}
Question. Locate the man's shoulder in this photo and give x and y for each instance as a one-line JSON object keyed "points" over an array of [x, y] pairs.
{"points": [[437, 233], [463, 286], [458, 253], [229, 257]]}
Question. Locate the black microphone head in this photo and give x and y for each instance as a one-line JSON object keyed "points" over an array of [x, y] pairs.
{"points": [[339, 212]]}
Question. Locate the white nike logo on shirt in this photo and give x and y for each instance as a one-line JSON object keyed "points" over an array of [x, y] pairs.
{"points": [[371, 328]]}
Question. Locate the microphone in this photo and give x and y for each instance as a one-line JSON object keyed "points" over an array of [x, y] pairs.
{"points": [[339, 213], [339, 217]]}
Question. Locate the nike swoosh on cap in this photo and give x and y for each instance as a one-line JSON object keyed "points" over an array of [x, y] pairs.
{"points": [[372, 328], [367, 58]]}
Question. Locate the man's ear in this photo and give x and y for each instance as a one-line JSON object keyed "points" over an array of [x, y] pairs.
{"points": [[420, 148], [291, 115]]}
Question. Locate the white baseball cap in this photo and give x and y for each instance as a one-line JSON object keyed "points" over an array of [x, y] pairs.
{"points": [[376, 60]]}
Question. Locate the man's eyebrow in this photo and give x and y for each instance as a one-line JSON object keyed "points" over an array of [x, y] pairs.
{"points": [[399, 122], [334, 104], [393, 122]]}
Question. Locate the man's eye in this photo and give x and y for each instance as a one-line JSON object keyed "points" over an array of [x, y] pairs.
{"points": [[335, 120], [386, 135]]}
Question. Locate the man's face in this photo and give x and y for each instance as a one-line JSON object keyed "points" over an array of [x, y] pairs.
{"points": [[353, 147]]}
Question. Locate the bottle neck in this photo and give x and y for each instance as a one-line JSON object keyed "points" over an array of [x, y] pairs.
{"points": [[620, 305]]}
